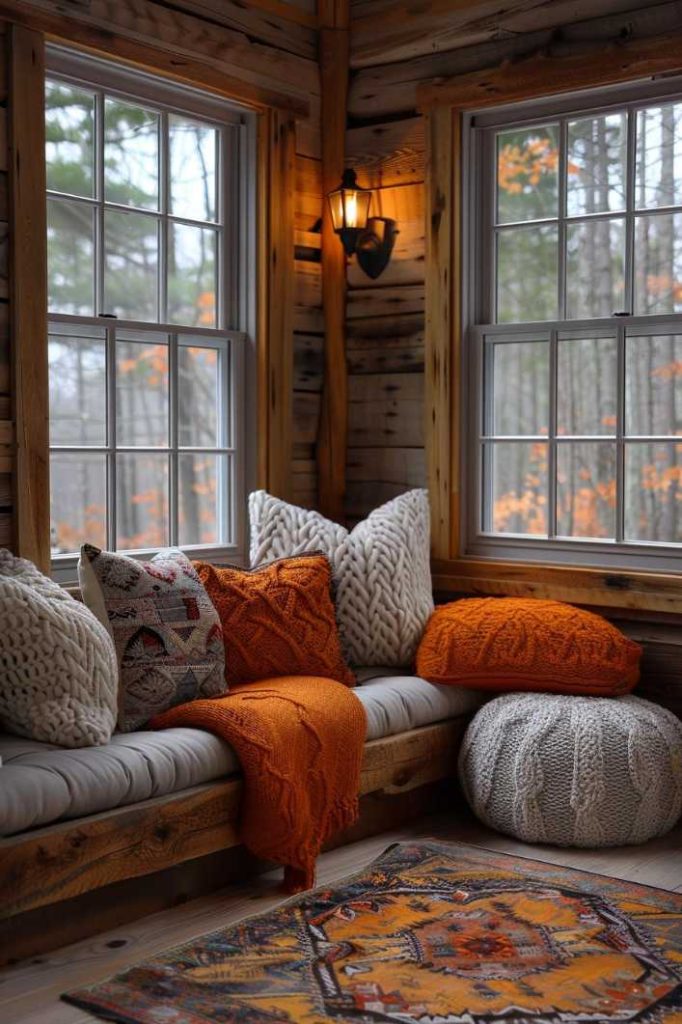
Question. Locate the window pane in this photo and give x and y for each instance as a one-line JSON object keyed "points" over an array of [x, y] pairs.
{"points": [[69, 139], [193, 149], [131, 155], [653, 485], [517, 497], [527, 179], [519, 375], [192, 276], [595, 268], [653, 385], [658, 180], [141, 501], [70, 257], [131, 264], [586, 386], [77, 388], [199, 396], [200, 482], [658, 263], [595, 170], [142, 393], [78, 487], [527, 274], [586, 489]]}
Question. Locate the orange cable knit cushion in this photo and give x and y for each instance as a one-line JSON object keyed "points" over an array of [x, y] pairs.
{"points": [[300, 743], [515, 643], [277, 620]]}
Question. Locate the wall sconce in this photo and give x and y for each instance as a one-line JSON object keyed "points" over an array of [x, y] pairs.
{"points": [[370, 238]]}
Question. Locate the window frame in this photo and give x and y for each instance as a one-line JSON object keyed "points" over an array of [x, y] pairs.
{"points": [[447, 105], [235, 329], [480, 321]]}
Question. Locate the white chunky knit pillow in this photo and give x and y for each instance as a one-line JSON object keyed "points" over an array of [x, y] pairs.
{"points": [[58, 671], [381, 569]]}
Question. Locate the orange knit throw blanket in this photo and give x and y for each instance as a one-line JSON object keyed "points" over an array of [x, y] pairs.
{"points": [[299, 740]]}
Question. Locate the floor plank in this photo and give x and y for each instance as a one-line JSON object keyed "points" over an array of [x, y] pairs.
{"points": [[29, 991]]}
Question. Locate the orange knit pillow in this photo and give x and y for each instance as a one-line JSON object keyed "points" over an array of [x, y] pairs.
{"points": [[515, 643], [278, 619]]}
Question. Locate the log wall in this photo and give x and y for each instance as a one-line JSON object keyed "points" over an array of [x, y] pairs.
{"points": [[6, 424], [394, 49], [269, 48]]}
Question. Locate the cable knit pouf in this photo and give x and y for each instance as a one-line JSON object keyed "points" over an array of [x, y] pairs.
{"points": [[574, 771]]}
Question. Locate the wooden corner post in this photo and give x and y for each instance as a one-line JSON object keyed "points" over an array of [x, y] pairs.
{"points": [[277, 142], [28, 293], [333, 428]]}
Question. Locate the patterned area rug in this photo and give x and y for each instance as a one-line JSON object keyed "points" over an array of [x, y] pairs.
{"points": [[430, 933]]}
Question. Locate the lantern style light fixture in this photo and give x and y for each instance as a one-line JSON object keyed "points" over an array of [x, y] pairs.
{"points": [[370, 238]]}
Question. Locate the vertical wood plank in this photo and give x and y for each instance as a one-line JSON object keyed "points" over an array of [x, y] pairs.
{"points": [[28, 293], [280, 303], [333, 430], [442, 318]]}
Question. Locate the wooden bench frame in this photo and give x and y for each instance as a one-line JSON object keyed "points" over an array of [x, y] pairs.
{"points": [[53, 866]]}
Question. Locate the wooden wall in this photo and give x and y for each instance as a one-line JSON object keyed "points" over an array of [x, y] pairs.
{"points": [[264, 47], [6, 425], [396, 46]]}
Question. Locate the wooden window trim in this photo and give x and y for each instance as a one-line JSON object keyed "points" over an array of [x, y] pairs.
{"points": [[271, 414], [445, 103]]}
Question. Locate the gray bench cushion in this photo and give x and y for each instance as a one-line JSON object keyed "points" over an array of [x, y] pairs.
{"points": [[41, 783]]}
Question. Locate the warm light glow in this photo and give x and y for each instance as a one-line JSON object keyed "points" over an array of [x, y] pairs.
{"points": [[351, 209]]}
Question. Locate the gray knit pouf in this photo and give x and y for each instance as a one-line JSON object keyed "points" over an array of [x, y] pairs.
{"points": [[574, 771]]}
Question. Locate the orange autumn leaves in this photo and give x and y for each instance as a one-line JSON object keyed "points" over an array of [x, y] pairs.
{"points": [[148, 368]]}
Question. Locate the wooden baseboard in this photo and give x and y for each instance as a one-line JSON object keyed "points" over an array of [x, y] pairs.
{"points": [[39, 931]]}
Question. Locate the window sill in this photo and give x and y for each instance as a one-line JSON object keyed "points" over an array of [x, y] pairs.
{"points": [[660, 593]]}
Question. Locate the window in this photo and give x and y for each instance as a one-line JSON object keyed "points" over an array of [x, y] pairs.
{"points": [[147, 201], [574, 343]]}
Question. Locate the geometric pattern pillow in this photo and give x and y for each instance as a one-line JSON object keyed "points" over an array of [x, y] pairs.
{"points": [[381, 569], [166, 632]]}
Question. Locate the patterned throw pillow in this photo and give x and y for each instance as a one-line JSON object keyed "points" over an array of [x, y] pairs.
{"points": [[58, 676], [166, 631], [278, 620], [381, 569], [526, 643]]}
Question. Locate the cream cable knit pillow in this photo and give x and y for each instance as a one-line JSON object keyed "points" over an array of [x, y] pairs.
{"points": [[58, 671], [381, 569]]}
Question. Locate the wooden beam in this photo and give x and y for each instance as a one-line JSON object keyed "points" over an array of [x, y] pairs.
{"points": [[333, 429], [544, 74], [69, 858], [441, 271], [276, 428], [180, 45], [28, 295]]}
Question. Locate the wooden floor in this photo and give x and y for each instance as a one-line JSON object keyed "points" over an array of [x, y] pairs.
{"points": [[29, 992]]}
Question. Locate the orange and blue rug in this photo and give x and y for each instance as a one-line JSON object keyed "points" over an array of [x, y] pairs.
{"points": [[432, 934]]}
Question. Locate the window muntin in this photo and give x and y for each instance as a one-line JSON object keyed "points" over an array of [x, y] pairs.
{"points": [[577, 411], [146, 356]]}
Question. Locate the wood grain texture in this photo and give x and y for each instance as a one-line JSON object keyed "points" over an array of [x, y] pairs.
{"points": [[277, 24], [389, 89], [67, 859], [443, 270], [28, 305], [180, 45], [333, 429], [280, 304], [387, 30]]}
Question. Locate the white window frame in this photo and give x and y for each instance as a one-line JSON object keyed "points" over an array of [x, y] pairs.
{"points": [[234, 336], [480, 328]]}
